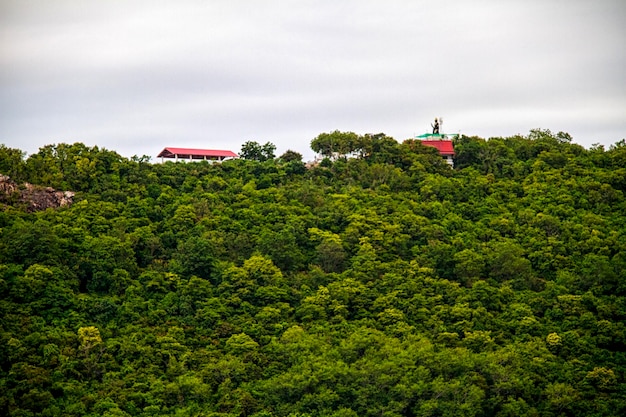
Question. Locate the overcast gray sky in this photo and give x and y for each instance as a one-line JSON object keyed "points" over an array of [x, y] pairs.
{"points": [[135, 76]]}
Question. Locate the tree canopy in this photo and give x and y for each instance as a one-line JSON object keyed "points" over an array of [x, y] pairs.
{"points": [[257, 152], [379, 282]]}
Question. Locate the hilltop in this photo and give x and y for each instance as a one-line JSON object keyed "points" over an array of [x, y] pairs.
{"points": [[380, 281]]}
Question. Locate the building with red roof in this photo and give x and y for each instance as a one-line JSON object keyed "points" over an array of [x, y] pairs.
{"points": [[196, 154], [442, 143]]}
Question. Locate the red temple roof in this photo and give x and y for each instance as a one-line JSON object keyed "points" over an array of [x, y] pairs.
{"points": [[443, 146], [186, 153]]}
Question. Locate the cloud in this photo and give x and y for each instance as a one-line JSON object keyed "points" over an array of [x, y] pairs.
{"points": [[135, 76]]}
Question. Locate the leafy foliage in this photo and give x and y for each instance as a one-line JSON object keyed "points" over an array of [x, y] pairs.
{"points": [[380, 282], [254, 151]]}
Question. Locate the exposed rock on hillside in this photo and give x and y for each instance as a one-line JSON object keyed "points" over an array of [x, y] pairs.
{"points": [[33, 197]]}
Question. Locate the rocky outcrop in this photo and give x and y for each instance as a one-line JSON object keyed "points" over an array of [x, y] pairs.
{"points": [[32, 197]]}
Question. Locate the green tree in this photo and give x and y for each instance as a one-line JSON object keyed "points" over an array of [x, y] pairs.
{"points": [[331, 255], [336, 144], [254, 151], [12, 163], [291, 156]]}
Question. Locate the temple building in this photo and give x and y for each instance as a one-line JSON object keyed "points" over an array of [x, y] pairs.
{"points": [[440, 142]]}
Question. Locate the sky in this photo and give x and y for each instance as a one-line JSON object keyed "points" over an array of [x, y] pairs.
{"points": [[135, 76]]}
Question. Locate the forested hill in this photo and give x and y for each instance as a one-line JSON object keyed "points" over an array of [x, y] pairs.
{"points": [[380, 284]]}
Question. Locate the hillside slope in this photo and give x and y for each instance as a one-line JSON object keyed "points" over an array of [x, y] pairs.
{"points": [[387, 284]]}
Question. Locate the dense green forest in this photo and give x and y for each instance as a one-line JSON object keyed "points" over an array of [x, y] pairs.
{"points": [[380, 282]]}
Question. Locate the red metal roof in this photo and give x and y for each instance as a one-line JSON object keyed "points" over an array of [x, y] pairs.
{"points": [[186, 153], [443, 146]]}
